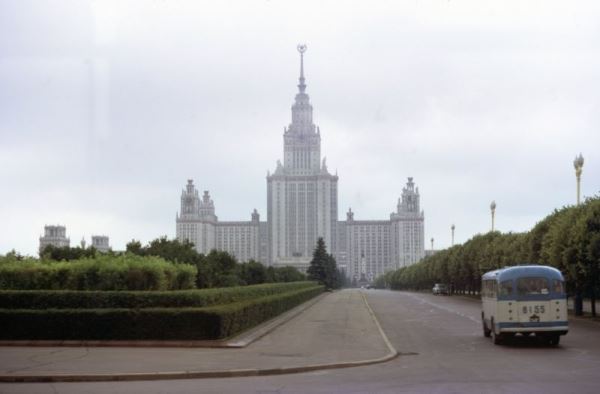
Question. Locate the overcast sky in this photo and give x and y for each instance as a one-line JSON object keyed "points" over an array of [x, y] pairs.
{"points": [[108, 107]]}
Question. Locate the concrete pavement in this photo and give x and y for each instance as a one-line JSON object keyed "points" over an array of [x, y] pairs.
{"points": [[338, 331]]}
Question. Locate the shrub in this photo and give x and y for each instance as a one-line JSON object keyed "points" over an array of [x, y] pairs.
{"points": [[67, 299], [214, 322], [105, 272]]}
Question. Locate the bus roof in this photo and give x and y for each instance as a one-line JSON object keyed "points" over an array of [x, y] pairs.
{"points": [[520, 271]]}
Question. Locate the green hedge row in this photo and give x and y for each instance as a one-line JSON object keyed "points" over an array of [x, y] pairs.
{"points": [[567, 239], [65, 299], [124, 272], [214, 322]]}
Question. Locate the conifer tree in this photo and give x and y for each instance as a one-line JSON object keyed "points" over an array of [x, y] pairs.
{"points": [[323, 267]]}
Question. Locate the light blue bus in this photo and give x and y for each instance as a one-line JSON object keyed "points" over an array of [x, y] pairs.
{"points": [[524, 300]]}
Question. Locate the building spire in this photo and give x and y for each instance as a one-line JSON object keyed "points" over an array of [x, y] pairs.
{"points": [[301, 48]]}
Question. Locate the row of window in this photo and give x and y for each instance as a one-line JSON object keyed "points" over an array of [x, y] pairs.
{"points": [[525, 286]]}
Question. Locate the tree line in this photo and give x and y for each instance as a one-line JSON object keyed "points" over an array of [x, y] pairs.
{"points": [[215, 269], [567, 239]]}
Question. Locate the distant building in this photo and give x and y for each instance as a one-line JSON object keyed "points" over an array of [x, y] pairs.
{"points": [[376, 246], [199, 224], [55, 236], [302, 205], [100, 243]]}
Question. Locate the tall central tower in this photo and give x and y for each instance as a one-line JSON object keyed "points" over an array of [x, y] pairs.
{"points": [[301, 193]]}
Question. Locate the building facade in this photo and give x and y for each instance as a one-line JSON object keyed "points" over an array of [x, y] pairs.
{"points": [[198, 223], [100, 243], [301, 193], [55, 236], [374, 247], [302, 206]]}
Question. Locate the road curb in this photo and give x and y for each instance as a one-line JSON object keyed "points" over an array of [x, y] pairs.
{"points": [[391, 347], [393, 353]]}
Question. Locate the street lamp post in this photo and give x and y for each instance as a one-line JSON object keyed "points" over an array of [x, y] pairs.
{"points": [[432, 244], [452, 228], [578, 164], [493, 209]]}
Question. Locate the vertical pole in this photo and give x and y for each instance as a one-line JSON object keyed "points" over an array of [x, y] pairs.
{"points": [[452, 235], [493, 209], [578, 174]]}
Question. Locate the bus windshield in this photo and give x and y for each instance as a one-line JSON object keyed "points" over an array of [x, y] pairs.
{"points": [[530, 286]]}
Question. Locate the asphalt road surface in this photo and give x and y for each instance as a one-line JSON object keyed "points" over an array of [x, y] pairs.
{"points": [[443, 351]]}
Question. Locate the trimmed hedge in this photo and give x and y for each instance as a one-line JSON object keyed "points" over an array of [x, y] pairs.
{"points": [[104, 272], [214, 322], [567, 239], [65, 299]]}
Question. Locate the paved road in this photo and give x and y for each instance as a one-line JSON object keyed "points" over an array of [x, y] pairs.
{"points": [[338, 328], [451, 357]]}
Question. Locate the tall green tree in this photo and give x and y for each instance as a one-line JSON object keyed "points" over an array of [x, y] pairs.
{"points": [[316, 270], [252, 273], [323, 267], [169, 249]]}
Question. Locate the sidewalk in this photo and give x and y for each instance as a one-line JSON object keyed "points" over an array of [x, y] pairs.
{"points": [[338, 331], [587, 305]]}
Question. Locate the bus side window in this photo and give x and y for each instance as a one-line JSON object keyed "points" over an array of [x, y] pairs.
{"points": [[558, 286], [506, 288]]}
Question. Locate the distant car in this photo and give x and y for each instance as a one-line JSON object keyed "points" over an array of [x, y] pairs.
{"points": [[440, 288]]}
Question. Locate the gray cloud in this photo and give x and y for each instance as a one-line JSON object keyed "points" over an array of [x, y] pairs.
{"points": [[106, 108]]}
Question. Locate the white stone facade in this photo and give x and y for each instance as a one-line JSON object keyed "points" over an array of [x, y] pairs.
{"points": [[198, 224], [241, 239], [302, 205], [301, 193], [374, 247], [408, 228], [54, 235], [369, 252], [100, 243]]}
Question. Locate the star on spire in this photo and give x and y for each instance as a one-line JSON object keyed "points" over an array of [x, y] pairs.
{"points": [[301, 48]]}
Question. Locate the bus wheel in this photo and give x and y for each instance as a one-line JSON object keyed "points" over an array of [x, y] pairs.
{"points": [[553, 340], [496, 338], [486, 331]]}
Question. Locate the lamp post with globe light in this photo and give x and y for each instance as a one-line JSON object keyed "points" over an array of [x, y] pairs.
{"points": [[452, 228], [578, 164]]}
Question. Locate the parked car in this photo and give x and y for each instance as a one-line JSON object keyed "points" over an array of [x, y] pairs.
{"points": [[440, 288]]}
